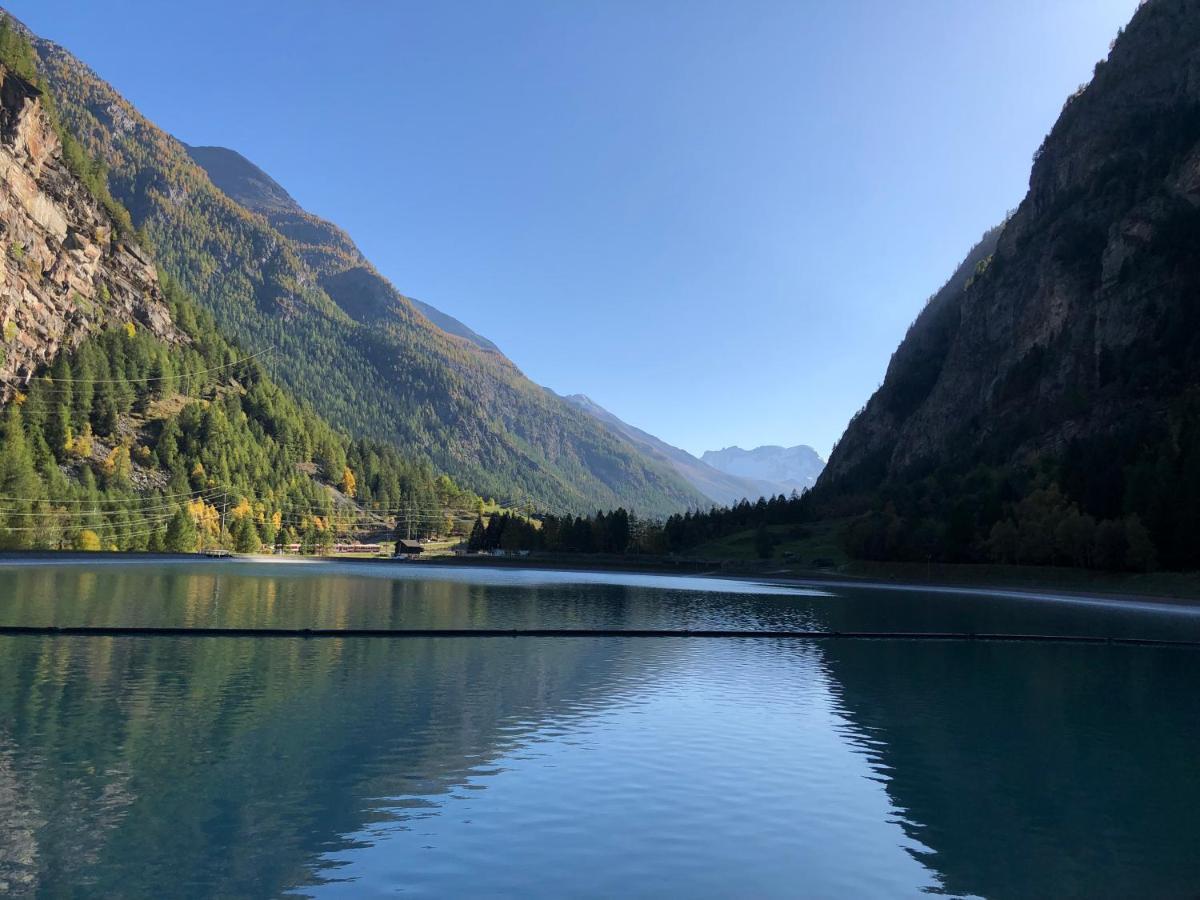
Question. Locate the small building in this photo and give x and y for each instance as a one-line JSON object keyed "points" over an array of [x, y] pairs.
{"points": [[355, 547], [409, 548]]}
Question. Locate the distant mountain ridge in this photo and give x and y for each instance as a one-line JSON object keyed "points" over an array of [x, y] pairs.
{"points": [[717, 486], [782, 469], [721, 486]]}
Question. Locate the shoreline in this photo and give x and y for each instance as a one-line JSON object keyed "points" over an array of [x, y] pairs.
{"points": [[1176, 588]]}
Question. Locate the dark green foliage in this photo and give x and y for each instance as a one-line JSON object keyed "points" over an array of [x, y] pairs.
{"points": [[245, 535], [475, 542], [146, 445], [614, 532], [682, 533], [764, 546], [181, 534]]}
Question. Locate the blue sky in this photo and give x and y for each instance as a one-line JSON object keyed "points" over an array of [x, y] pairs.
{"points": [[715, 218]]}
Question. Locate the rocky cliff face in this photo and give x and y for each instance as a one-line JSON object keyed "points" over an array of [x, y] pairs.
{"points": [[1079, 321], [65, 273]]}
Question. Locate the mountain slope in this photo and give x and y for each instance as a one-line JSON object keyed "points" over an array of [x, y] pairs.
{"points": [[322, 244], [914, 368], [719, 487], [1061, 384], [129, 422], [342, 338], [781, 469]]}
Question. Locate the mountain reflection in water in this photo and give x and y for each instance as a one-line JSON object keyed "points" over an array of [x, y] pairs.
{"points": [[249, 767]]}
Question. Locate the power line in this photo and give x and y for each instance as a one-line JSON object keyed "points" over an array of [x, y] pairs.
{"points": [[149, 379], [54, 512], [153, 519], [155, 497]]}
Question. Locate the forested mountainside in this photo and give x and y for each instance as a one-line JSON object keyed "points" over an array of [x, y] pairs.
{"points": [[1046, 408], [351, 345], [344, 272], [719, 487], [129, 421]]}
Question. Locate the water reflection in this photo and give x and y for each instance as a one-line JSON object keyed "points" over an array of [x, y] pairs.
{"points": [[247, 767], [341, 596], [242, 595], [147, 767], [1039, 769]]}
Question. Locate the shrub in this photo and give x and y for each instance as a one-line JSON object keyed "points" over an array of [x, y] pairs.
{"points": [[87, 540]]}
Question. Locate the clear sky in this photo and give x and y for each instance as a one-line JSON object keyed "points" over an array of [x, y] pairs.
{"points": [[715, 218]]}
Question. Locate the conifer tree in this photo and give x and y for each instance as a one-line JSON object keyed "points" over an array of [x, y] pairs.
{"points": [[181, 534], [19, 484], [475, 541]]}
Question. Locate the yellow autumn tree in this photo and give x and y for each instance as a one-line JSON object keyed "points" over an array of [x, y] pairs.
{"points": [[87, 540], [116, 466], [81, 445], [349, 483], [207, 518]]}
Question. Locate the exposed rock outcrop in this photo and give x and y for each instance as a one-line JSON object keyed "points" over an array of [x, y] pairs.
{"points": [[65, 271]]}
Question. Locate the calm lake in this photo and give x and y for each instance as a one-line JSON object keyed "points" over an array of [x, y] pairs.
{"points": [[589, 767]]}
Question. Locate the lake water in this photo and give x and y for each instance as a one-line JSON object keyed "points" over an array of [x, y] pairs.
{"points": [[592, 767]]}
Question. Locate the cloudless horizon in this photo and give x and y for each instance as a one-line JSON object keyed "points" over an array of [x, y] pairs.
{"points": [[715, 219]]}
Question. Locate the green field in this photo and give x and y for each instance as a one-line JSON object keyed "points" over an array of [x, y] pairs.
{"points": [[812, 545]]}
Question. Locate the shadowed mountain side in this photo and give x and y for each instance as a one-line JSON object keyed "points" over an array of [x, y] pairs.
{"points": [[914, 367], [1056, 379]]}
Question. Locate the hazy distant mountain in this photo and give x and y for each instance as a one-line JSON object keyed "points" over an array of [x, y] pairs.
{"points": [[782, 469], [720, 487]]}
